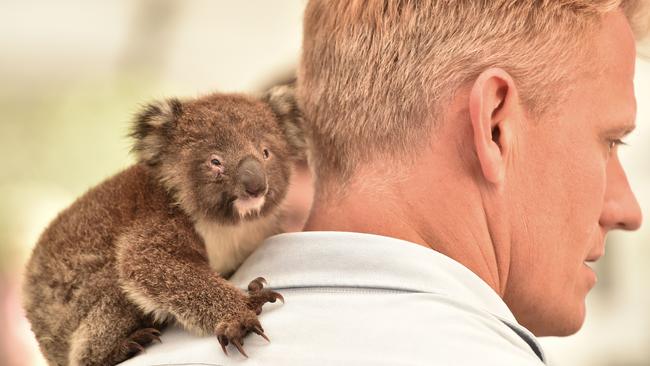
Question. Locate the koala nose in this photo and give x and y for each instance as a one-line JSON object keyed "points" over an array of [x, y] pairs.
{"points": [[254, 188], [252, 177]]}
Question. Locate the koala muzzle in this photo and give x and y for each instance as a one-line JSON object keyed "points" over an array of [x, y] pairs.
{"points": [[252, 177]]}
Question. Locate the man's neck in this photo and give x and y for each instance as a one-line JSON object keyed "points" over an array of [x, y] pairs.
{"points": [[448, 221], [363, 215]]}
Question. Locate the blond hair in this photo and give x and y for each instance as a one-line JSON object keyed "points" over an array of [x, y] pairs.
{"points": [[375, 73]]}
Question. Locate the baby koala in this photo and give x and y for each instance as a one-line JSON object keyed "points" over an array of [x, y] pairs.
{"points": [[151, 244]]}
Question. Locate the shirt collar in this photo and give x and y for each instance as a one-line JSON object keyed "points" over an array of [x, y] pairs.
{"points": [[343, 259]]}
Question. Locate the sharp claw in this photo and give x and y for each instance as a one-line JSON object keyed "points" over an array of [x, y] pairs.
{"points": [[258, 325], [137, 346], [239, 347], [260, 332], [277, 296], [156, 332], [223, 341], [257, 284], [156, 338]]}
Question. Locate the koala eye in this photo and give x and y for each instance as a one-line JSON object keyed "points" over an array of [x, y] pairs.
{"points": [[266, 153], [215, 164]]}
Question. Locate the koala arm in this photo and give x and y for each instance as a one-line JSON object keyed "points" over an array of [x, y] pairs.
{"points": [[162, 267]]}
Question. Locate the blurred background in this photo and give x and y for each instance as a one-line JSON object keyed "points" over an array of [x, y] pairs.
{"points": [[73, 72]]}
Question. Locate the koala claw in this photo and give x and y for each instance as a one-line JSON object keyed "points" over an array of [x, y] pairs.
{"points": [[145, 336], [234, 332], [258, 330], [258, 296], [133, 347], [135, 342], [257, 284]]}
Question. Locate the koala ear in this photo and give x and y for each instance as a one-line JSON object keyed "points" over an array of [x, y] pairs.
{"points": [[152, 127], [282, 100]]}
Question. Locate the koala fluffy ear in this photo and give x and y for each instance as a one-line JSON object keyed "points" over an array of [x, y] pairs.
{"points": [[282, 100], [152, 127]]}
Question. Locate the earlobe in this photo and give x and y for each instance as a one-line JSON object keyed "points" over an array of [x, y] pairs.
{"points": [[492, 101]]}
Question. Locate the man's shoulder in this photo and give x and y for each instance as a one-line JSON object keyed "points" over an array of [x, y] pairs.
{"points": [[330, 326], [380, 301], [421, 328]]}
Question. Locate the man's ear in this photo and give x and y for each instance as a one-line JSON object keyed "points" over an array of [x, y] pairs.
{"points": [[494, 108], [282, 100], [151, 129]]}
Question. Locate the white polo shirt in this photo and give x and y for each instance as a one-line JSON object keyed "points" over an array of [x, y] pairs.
{"points": [[360, 299]]}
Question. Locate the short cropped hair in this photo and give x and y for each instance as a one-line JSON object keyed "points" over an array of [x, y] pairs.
{"points": [[375, 75]]}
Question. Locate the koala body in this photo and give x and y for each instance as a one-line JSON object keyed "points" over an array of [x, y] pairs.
{"points": [[152, 243]]}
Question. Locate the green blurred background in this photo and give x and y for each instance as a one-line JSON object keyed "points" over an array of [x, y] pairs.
{"points": [[73, 72]]}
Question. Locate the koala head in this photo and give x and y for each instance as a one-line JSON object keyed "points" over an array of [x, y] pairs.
{"points": [[223, 157]]}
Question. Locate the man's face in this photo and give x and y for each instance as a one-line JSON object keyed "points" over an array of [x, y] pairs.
{"points": [[569, 189]]}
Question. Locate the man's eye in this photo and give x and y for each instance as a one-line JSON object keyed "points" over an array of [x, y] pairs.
{"points": [[616, 142]]}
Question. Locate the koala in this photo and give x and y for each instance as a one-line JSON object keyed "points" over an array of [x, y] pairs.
{"points": [[154, 243]]}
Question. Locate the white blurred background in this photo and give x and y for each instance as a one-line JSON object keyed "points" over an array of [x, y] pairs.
{"points": [[72, 73]]}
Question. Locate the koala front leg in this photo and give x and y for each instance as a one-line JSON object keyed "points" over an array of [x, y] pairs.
{"points": [[163, 268]]}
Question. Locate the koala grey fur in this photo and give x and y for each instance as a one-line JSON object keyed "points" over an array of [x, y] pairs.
{"points": [[150, 244]]}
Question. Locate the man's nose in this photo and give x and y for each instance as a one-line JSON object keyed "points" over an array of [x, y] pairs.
{"points": [[621, 209]]}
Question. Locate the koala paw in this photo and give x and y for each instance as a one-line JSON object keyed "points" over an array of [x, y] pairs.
{"points": [[233, 331], [237, 327], [135, 342]]}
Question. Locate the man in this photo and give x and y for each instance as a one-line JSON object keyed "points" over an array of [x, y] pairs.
{"points": [[467, 174]]}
